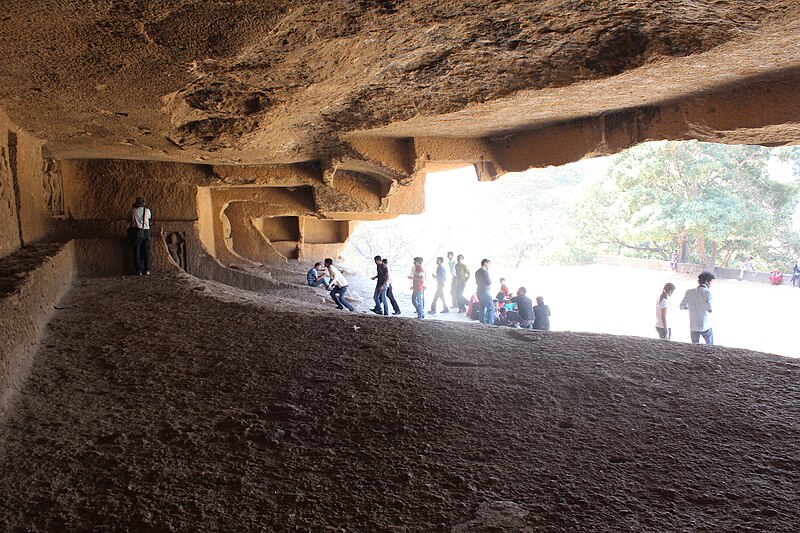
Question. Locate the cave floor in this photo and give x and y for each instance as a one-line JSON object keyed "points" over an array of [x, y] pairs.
{"points": [[168, 403]]}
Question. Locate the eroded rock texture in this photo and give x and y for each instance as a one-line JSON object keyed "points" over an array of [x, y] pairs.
{"points": [[266, 82], [354, 101]]}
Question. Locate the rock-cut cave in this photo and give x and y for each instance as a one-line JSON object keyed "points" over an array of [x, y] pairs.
{"points": [[204, 398]]}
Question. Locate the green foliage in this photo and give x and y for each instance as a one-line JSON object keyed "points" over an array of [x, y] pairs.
{"points": [[720, 198]]}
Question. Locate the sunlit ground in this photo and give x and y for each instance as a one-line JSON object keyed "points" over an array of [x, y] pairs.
{"points": [[622, 301], [464, 215]]}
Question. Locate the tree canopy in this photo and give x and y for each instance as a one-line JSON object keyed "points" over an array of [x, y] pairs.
{"points": [[716, 201]]}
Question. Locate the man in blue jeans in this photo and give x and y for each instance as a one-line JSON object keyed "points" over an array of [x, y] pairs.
{"points": [[484, 293], [381, 286], [417, 278], [440, 276], [339, 284], [698, 302], [316, 277]]}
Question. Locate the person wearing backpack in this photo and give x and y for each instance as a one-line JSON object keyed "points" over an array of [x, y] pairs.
{"points": [[139, 219]]}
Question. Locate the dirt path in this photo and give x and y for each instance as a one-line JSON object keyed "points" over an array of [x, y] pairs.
{"points": [[170, 404]]}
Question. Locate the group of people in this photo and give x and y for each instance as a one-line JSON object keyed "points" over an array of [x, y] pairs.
{"points": [[697, 301], [501, 309]]}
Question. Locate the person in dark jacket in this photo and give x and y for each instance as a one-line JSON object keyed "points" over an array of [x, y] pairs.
{"points": [[381, 285], [542, 315], [484, 292], [524, 313]]}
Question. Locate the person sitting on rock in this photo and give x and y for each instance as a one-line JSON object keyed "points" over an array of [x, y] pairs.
{"points": [[541, 315], [316, 277], [524, 314]]}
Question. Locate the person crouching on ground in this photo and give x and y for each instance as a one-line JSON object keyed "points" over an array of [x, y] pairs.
{"points": [[698, 302], [417, 278], [524, 313], [662, 312], [139, 219], [541, 315], [339, 284], [316, 277]]}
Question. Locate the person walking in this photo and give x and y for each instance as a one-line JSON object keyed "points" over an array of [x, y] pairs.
{"points": [[795, 274], [381, 286], [747, 266], [662, 312], [139, 219], [698, 302], [541, 313], [440, 276], [462, 275], [389, 291], [417, 278], [451, 267], [484, 293], [339, 284]]}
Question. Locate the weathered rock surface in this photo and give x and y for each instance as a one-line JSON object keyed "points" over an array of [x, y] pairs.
{"points": [[346, 106], [281, 82], [219, 410]]}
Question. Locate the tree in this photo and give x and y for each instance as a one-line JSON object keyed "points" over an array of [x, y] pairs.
{"points": [[720, 198]]}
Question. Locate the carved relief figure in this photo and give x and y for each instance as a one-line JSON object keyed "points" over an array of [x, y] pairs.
{"points": [[53, 188], [5, 175], [176, 244]]}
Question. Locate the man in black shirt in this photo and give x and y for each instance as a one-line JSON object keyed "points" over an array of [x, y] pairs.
{"points": [[381, 285], [524, 313], [485, 293]]}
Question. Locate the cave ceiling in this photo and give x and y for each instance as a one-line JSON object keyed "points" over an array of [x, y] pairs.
{"points": [[269, 82]]}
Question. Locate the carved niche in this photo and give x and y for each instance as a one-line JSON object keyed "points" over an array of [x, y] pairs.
{"points": [[53, 188], [5, 177], [176, 244]]}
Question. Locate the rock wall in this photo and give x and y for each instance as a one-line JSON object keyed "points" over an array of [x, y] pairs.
{"points": [[31, 191], [9, 226], [32, 281], [245, 215]]}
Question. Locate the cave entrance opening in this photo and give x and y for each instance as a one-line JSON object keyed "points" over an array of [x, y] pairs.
{"points": [[596, 238]]}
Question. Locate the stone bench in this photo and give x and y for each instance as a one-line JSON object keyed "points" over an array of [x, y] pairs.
{"points": [[32, 281]]}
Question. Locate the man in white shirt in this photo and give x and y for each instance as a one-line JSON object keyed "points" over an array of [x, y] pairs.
{"points": [[698, 302], [139, 219], [451, 265], [339, 284]]}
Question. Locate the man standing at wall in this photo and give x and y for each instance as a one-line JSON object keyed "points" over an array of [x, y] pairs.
{"points": [[460, 281], [139, 219], [698, 302], [484, 283]]}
